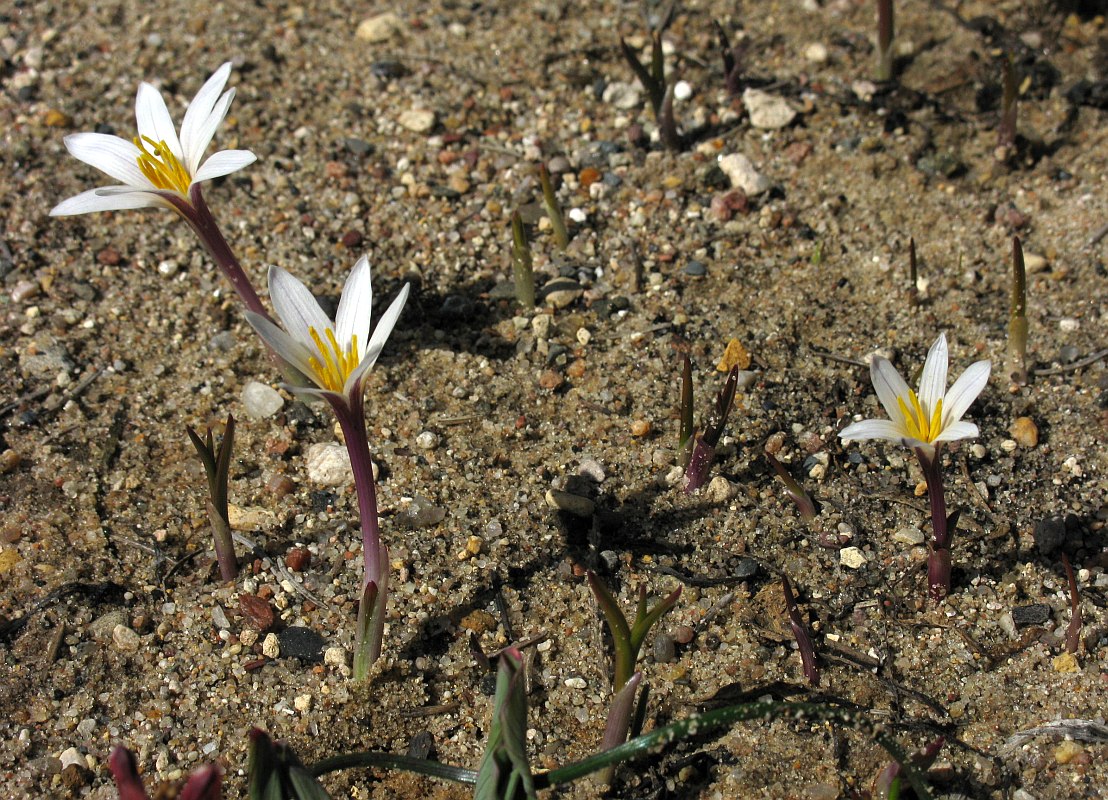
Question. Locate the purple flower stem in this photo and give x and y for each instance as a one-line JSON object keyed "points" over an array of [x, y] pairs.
{"points": [[938, 560], [371, 620], [200, 218]]}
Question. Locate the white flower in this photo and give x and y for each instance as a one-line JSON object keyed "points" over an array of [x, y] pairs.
{"points": [[157, 168], [929, 416], [334, 355]]}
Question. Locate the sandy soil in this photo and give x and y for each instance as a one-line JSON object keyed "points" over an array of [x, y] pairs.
{"points": [[116, 333]]}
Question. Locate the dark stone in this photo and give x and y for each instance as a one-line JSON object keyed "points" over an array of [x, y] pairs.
{"points": [[421, 745], [1050, 535], [455, 306], [358, 147], [302, 643], [665, 650], [1034, 614], [696, 268], [747, 568], [1069, 354], [487, 684]]}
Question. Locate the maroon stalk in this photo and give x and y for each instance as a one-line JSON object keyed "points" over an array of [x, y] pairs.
{"points": [[199, 217], [938, 560], [352, 420]]}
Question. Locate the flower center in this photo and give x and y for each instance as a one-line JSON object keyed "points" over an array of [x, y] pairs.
{"points": [[334, 364], [917, 422], [161, 167]]}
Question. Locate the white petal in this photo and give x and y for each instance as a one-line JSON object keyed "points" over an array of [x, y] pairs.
{"points": [[965, 391], [889, 386], [202, 136], [386, 324], [192, 140], [109, 154], [932, 382], [98, 200], [958, 430], [296, 307], [223, 163], [873, 429], [282, 344], [153, 118], [355, 306]]}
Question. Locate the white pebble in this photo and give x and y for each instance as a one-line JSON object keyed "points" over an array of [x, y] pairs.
{"points": [[767, 111], [682, 90], [329, 464], [271, 646], [427, 440], [261, 401], [851, 557], [576, 683], [742, 174]]}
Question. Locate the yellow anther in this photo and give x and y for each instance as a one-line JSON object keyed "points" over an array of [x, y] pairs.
{"points": [[161, 167], [918, 424], [334, 364]]}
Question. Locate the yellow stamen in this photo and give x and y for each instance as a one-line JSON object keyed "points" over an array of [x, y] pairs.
{"points": [[917, 423], [334, 364], [161, 167]]}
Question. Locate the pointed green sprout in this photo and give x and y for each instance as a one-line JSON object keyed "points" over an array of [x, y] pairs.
{"points": [[553, 210], [645, 745], [217, 465], [504, 773], [522, 265], [800, 633], [1017, 317], [628, 638], [275, 773], [653, 79], [704, 446], [795, 491]]}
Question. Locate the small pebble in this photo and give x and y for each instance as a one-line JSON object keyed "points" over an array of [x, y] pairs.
{"points": [[335, 657], [9, 460], [550, 379], [379, 28], [1067, 662], [24, 290], [665, 650], [592, 469], [696, 269], [851, 557], [250, 518], [298, 559], [767, 111], [257, 612], [573, 504], [417, 120], [1025, 432], [126, 639], [328, 464], [720, 490], [271, 646], [641, 427], [300, 642], [909, 536], [302, 703], [279, 485], [1067, 751], [576, 683], [742, 174], [427, 440], [684, 634]]}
